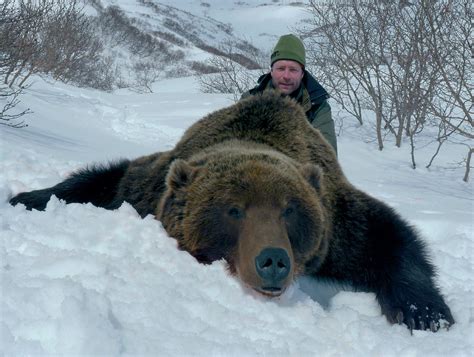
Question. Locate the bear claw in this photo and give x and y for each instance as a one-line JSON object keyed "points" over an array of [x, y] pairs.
{"points": [[433, 320]]}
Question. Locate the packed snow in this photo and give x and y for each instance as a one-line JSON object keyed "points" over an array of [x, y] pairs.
{"points": [[77, 279]]}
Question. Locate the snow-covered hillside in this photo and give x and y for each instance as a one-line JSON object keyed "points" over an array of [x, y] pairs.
{"points": [[80, 280], [259, 21], [168, 39]]}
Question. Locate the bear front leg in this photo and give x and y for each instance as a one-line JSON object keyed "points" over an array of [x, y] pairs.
{"points": [[373, 249], [412, 298], [96, 184], [403, 277]]}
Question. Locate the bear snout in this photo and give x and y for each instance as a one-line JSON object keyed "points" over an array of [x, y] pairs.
{"points": [[273, 266], [265, 257]]}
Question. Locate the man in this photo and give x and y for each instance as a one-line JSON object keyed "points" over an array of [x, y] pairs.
{"points": [[288, 75]]}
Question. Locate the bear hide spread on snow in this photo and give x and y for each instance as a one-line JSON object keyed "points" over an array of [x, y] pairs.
{"points": [[256, 185]]}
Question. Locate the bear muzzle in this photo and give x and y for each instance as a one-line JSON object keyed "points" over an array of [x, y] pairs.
{"points": [[273, 266], [265, 257]]}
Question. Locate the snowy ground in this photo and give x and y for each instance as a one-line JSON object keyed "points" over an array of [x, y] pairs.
{"points": [[79, 280]]}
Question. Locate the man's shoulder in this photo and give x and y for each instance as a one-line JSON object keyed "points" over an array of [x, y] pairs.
{"points": [[315, 90], [264, 78]]}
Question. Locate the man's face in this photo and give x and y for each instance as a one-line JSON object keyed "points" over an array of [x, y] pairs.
{"points": [[286, 75]]}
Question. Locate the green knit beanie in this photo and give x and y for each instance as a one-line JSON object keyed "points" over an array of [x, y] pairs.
{"points": [[289, 47]]}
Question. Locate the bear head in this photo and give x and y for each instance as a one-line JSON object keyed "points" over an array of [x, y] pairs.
{"points": [[257, 209]]}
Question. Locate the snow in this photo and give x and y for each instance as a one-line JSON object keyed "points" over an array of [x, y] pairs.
{"points": [[81, 280]]}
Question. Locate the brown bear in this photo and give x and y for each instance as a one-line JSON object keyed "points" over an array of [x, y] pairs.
{"points": [[256, 185]]}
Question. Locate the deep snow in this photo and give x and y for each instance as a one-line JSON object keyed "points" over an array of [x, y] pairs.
{"points": [[77, 279]]}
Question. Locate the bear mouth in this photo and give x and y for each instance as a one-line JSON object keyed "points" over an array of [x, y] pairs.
{"points": [[270, 291]]}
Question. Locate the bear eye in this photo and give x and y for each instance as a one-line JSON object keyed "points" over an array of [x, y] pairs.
{"points": [[235, 213], [288, 211]]}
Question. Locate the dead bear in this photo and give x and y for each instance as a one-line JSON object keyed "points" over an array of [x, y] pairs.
{"points": [[256, 185]]}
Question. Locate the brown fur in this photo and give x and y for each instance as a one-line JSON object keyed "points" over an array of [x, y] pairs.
{"points": [[245, 156]]}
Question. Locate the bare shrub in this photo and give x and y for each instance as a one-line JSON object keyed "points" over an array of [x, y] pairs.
{"points": [[203, 68], [9, 115], [408, 62], [450, 38], [233, 76], [168, 36], [52, 37], [145, 74], [11, 21]]}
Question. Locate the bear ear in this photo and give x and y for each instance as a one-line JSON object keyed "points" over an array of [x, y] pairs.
{"points": [[180, 174], [314, 175]]}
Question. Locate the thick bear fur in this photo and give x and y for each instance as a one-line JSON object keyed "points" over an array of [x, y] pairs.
{"points": [[256, 185]]}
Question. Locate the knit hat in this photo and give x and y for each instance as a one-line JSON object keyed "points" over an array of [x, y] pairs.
{"points": [[289, 47]]}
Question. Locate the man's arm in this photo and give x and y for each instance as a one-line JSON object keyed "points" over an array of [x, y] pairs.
{"points": [[322, 120]]}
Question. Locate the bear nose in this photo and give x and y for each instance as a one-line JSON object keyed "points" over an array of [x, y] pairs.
{"points": [[273, 266]]}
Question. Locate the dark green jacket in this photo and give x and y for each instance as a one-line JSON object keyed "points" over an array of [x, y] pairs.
{"points": [[313, 97]]}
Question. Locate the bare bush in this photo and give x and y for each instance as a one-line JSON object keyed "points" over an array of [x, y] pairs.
{"points": [[22, 34], [101, 74], [452, 55], [69, 48], [401, 60], [168, 36], [232, 77], [10, 18], [145, 74], [52, 37], [203, 68], [9, 115]]}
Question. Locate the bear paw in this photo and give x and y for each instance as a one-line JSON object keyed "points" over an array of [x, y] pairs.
{"points": [[421, 316]]}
